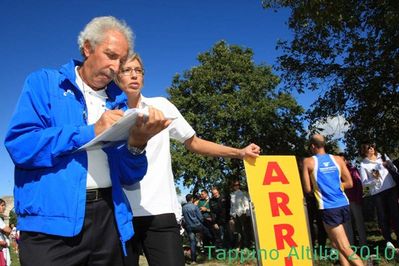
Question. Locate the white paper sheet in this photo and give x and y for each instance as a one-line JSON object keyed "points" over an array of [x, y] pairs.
{"points": [[118, 131]]}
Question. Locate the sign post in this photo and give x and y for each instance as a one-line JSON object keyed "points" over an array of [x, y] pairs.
{"points": [[255, 230], [282, 231]]}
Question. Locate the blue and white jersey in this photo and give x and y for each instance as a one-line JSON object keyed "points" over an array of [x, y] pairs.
{"points": [[326, 180]]}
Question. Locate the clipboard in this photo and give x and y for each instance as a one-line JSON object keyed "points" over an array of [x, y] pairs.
{"points": [[118, 131]]}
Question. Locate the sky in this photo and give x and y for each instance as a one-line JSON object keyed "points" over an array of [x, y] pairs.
{"points": [[169, 35]]}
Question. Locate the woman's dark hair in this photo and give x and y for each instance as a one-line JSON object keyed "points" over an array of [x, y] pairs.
{"points": [[364, 147]]}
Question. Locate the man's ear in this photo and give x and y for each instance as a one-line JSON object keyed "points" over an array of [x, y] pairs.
{"points": [[311, 147], [87, 48]]}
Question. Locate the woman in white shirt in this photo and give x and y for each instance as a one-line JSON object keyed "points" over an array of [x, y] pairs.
{"points": [[382, 188], [153, 199]]}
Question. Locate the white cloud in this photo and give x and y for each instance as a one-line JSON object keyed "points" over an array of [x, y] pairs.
{"points": [[334, 126]]}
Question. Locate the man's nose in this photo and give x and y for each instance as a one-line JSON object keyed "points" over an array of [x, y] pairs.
{"points": [[115, 66]]}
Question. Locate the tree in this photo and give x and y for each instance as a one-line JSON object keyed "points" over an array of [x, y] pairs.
{"points": [[13, 218], [348, 51], [230, 100]]}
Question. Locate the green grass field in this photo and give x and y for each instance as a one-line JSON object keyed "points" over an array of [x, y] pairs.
{"points": [[375, 252]]}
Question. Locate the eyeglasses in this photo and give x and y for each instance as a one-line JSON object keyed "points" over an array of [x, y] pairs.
{"points": [[129, 71]]}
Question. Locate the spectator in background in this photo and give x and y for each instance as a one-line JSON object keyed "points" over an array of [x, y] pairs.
{"points": [[240, 215], [203, 205], [382, 187], [193, 221], [205, 209], [5, 258], [218, 212], [355, 196]]}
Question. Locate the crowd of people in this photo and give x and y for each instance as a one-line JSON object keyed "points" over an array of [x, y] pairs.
{"points": [[220, 221], [341, 201]]}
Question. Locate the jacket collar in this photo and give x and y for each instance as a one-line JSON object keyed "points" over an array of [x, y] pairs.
{"points": [[114, 93]]}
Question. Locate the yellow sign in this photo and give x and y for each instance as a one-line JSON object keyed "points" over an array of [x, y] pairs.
{"points": [[276, 193]]}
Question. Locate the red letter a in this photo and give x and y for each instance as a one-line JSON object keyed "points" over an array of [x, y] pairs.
{"points": [[269, 177]]}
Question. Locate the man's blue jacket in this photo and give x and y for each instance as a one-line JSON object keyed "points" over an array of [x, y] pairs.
{"points": [[47, 128]]}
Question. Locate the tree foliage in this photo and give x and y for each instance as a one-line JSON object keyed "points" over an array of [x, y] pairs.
{"points": [[13, 218], [230, 100], [348, 51]]}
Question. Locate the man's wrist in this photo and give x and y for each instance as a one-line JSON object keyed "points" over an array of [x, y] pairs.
{"points": [[241, 153], [136, 150]]}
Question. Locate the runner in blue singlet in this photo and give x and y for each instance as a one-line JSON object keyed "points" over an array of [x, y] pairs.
{"points": [[325, 172]]}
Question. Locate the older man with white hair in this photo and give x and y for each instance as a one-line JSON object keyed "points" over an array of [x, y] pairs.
{"points": [[70, 204]]}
